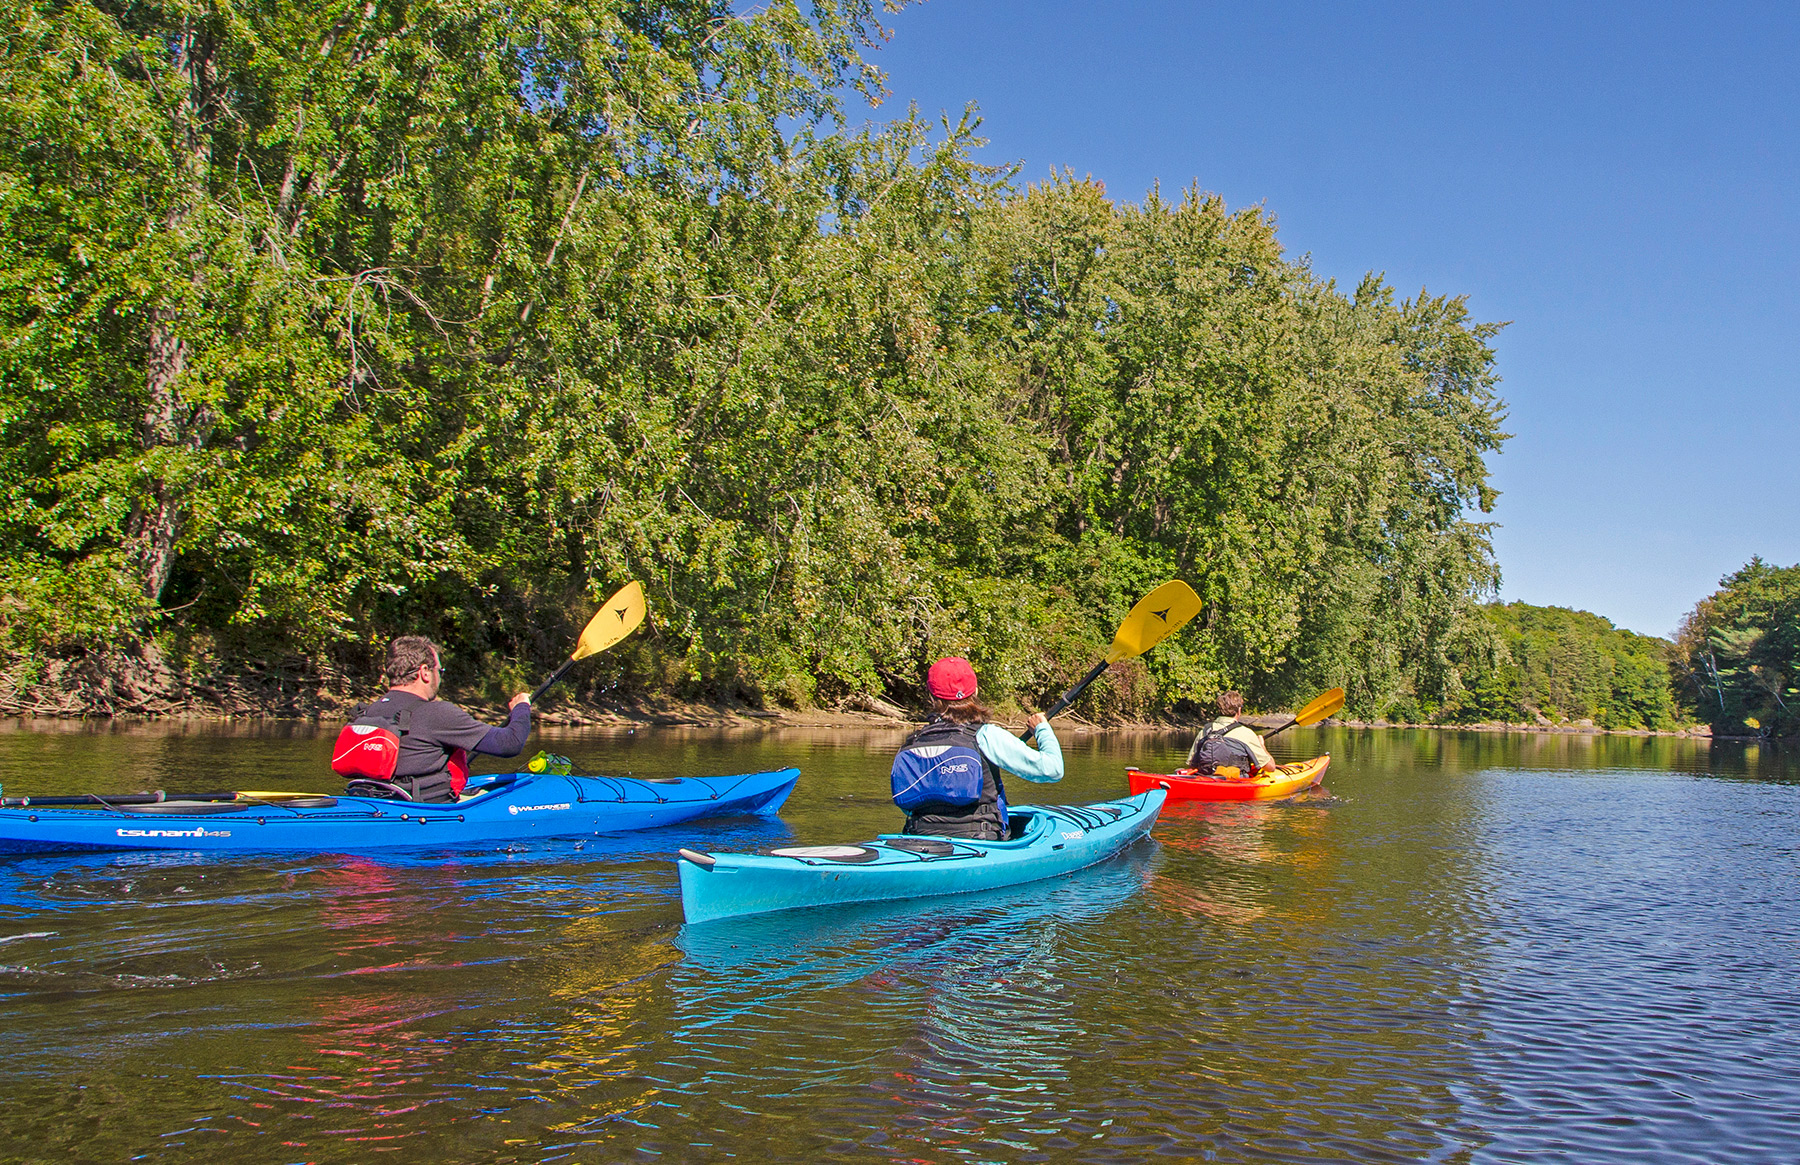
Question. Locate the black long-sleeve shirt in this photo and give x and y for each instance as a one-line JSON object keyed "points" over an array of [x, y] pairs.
{"points": [[438, 727]]}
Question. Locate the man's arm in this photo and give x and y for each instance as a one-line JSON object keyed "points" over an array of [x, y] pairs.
{"points": [[444, 725], [1254, 743], [509, 739]]}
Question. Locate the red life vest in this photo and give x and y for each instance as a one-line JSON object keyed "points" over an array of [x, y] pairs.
{"points": [[458, 768], [369, 746]]}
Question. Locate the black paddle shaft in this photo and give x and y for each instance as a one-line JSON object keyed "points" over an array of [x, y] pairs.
{"points": [[1072, 695], [1282, 729], [558, 674], [156, 798]]}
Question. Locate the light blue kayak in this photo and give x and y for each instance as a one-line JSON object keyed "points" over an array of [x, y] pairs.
{"points": [[1047, 840]]}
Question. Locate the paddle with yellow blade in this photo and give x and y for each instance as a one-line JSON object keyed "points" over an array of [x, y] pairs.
{"points": [[618, 617], [109, 800], [1322, 708], [1155, 617]]}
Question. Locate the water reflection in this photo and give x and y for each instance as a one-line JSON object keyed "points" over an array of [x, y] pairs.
{"points": [[1474, 947], [978, 1024]]}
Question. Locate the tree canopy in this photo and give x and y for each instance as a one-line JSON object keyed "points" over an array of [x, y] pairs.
{"points": [[1561, 665], [1738, 652], [329, 322]]}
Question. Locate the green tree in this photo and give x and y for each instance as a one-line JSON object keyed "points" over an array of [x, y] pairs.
{"points": [[1565, 665], [1217, 413], [1738, 652], [286, 283], [331, 322]]}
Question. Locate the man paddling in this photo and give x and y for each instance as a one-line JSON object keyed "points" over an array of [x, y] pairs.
{"points": [[1229, 742], [947, 776], [436, 736]]}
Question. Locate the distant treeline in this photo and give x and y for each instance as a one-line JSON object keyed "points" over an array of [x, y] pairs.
{"points": [[329, 322], [1554, 665], [1735, 665]]}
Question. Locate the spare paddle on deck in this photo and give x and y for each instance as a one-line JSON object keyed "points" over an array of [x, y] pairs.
{"points": [[1155, 617], [156, 798], [1322, 708], [618, 617]]}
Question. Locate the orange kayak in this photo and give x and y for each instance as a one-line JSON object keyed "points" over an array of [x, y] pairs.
{"points": [[1281, 782]]}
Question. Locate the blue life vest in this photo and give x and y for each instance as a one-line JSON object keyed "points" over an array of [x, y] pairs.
{"points": [[944, 783]]}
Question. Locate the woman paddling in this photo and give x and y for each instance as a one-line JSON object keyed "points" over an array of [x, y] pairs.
{"points": [[947, 775]]}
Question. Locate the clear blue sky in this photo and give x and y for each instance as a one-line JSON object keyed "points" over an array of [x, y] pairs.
{"points": [[1622, 182]]}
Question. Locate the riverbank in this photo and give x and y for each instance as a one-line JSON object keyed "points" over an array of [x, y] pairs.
{"points": [[672, 713], [139, 682], [878, 714]]}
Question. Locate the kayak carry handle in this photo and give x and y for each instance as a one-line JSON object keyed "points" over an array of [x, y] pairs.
{"points": [[704, 861]]}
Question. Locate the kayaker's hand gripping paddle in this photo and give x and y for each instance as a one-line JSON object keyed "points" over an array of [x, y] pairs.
{"points": [[1156, 616], [618, 617]]}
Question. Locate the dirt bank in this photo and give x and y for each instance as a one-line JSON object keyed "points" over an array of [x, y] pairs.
{"points": [[140, 682]]}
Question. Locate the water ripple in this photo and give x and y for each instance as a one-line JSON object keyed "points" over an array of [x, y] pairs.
{"points": [[1471, 950]]}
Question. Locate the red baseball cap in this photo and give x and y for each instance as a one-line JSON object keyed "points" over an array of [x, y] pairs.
{"points": [[951, 678]]}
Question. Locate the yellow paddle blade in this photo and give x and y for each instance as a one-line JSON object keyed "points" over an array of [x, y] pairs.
{"points": [[1155, 617], [618, 617], [1322, 708]]}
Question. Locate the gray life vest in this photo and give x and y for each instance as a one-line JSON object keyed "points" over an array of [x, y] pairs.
{"points": [[1214, 750]]}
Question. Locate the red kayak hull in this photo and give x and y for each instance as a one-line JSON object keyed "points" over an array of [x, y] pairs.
{"points": [[1283, 782]]}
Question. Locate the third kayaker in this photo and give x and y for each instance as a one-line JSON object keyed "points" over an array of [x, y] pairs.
{"points": [[436, 736], [1229, 742], [947, 775]]}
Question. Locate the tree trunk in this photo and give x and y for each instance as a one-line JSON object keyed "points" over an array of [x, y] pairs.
{"points": [[170, 421]]}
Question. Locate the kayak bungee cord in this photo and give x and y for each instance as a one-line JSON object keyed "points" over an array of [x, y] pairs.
{"points": [[878, 847], [1086, 816], [722, 792]]}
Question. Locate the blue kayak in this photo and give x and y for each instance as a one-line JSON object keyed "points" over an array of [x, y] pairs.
{"points": [[496, 808], [1047, 840]]}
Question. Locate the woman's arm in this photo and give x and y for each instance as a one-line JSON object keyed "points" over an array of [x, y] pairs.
{"points": [[1043, 763]]}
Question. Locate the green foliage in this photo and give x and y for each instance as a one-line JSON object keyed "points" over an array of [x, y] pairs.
{"points": [[331, 323], [1738, 652], [1562, 665]]}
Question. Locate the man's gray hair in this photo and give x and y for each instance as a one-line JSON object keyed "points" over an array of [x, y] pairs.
{"points": [[407, 654]]}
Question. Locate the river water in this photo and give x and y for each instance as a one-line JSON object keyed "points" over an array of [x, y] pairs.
{"points": [[1474, 948]]}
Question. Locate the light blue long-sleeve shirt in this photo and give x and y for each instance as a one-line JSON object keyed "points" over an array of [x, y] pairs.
{"points": [[1042, 764]]}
